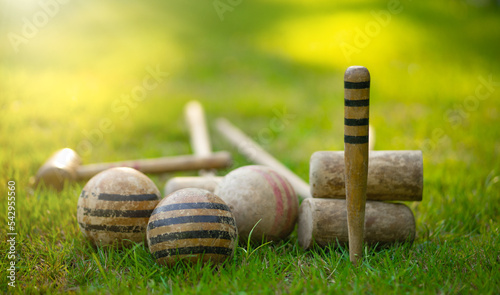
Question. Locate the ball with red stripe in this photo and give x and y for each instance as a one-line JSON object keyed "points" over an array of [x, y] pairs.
{"points": [[191, 224], [115, 205], [260, 194]]}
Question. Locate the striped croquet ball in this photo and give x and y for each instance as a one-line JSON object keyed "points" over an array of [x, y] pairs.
{"points": [[259, 193], [115, 205], [191, 224]]}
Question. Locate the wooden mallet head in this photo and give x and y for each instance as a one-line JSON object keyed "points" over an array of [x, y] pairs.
{"points": [[60, 167], [392, 175], [323, 222], [356, 114]]}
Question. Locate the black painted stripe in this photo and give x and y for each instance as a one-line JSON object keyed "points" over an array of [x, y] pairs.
{"points": [[195, 234], [356, 103], [192, 219], [356, 122], [356, 85], [117, 213], [193, 250], [186, 206], [121, 198], [112, 228], [355, 139]]}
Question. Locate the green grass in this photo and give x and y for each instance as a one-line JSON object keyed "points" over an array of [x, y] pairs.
{"points": [[265, 56]]}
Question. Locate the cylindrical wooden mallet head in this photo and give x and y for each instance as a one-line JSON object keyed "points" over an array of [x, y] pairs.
{"points": [[392, 175], [60, 167], [324, 221], [191, 225], [115, 205], [356, 113], [259, 194], [208, 183]]}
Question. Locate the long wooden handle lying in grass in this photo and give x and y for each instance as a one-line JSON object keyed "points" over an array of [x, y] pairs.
{"points": [[356, 111], [161, 165], [256, 154]]}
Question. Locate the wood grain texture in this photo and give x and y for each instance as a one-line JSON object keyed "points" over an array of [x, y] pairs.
{"points": [[392, 175], [324, 222]]}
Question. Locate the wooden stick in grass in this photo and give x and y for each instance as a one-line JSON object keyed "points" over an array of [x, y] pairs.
{"points": [[257, 154], [356, 114], [200, 143], [198, 131]]}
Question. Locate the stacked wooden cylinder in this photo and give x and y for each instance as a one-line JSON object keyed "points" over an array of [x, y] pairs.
{"points": [[378, 177], [392, 176]]}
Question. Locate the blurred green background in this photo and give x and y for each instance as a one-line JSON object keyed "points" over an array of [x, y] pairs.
{"points": [[68, 67]]}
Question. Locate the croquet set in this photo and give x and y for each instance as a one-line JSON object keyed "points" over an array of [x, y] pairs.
{"points": [[349, 201]]}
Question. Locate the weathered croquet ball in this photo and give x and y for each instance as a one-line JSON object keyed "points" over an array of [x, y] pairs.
{"points": [[260, 194], [191, 225], [115, 205]]}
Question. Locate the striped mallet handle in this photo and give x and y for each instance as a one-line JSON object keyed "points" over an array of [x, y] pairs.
{"points": [[356, 110]]}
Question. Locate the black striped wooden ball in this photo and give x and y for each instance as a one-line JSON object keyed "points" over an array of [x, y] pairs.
{"points": [[191, 225], [115, 205]]}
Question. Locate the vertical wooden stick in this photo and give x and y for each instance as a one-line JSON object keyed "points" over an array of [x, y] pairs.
{"points": [[356, 114], [198, 131]]}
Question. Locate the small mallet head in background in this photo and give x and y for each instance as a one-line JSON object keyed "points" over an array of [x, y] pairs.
{"points": [[191, 225], [58, 169], [115, 205], [356, 119], [259, 194]]}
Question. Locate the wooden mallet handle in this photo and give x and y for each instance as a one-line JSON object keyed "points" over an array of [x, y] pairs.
{"points": [[198, 131], [162, 165], [356, 114], [255, 153]]}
